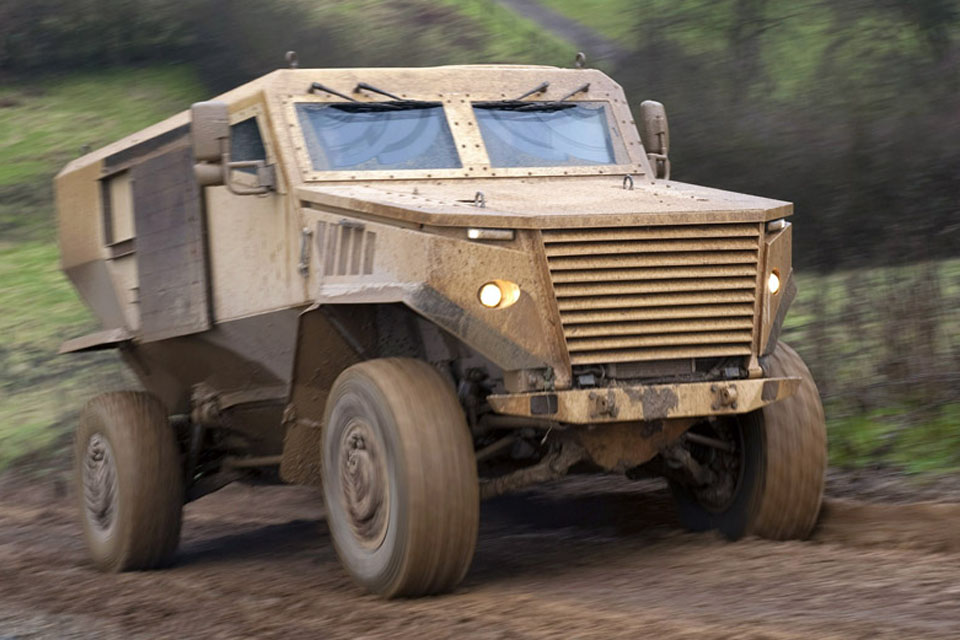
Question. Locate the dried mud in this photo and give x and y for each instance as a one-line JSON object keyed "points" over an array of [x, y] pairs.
{"points": [[581, 558]]}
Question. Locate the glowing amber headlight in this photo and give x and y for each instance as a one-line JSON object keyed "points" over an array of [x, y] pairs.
{"points": [[773, 281], [490, 295], [499, 294]]}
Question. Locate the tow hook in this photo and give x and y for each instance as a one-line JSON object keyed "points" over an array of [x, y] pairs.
{"points": [[725, 396], [603, 404]]}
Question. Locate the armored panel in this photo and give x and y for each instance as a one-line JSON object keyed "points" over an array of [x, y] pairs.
{"points": [[171, 247]]}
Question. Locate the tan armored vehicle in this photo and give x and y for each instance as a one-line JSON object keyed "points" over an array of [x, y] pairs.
{"points": [[419, 288]]}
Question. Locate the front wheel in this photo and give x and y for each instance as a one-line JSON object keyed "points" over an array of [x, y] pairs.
{"points": [[769, 475], [399, 478]]}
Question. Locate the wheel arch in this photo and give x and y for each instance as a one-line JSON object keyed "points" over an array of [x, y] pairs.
{"points": [[330, 339]]}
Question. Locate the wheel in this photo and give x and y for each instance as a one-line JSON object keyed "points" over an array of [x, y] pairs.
{"points": [[770, 473], [128, 474], [399, 478]]}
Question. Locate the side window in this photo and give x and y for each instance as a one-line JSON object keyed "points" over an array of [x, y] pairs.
{"points": [[246, 143], [117, 197]]}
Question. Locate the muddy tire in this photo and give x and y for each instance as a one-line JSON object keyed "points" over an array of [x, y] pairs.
{"points": [[128, 475], [782, 451], [400, 478]]}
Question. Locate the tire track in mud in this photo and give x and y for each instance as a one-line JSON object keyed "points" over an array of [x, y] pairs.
{"points": [[588, 558], [925, 526]]}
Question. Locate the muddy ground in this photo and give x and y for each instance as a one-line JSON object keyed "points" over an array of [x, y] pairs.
{"points": [[582, 558]]}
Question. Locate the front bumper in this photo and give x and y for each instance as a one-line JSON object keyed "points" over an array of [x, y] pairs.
{"points": [[647, 402]]}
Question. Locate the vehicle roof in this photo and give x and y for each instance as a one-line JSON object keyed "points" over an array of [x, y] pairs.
{"points": [[485, 81]]}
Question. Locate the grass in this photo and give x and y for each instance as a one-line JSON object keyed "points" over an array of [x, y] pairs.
{"points": [[40, 390], [447, 31], [42, 126], [916, 439], [618, 20], [849, 323], [512, 38], [31, 282], [884, 347], [45, 124]]}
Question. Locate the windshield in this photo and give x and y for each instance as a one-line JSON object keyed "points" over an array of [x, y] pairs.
{"points": [[377, 137], [577, 134]]}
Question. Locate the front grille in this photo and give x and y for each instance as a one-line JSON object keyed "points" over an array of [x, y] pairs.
{"points": [[636, 294]]}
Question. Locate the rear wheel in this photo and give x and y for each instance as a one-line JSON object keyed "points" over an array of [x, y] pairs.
{"points": [[399, 478], [769, 472], [128, 474]]}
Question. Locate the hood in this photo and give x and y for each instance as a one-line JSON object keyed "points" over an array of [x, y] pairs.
{"points": [[538, 203]]}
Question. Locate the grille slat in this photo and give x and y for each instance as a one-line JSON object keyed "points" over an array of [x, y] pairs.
{"points": [[653, 300], [649, 246], [692, 258], [664, 339], [655, 293], [698, 232], [657, 327], [571, 290], [657, 273], [656, 313]]}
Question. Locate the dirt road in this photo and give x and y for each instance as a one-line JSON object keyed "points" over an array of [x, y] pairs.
{"points": [[585, 558]]}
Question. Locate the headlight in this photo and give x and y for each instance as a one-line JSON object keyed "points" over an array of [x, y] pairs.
{"points": [[490, 295], [490, 234], [776, 225], [773, 282], [499, 294]]}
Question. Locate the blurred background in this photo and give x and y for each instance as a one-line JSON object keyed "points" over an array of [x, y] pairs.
{"points": [[849, 109]]}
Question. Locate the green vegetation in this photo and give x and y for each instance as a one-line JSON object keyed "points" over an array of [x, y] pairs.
{"points": [[510, 38], [884, 347], [917, 439], [616, 19], [795, 37], [453, 31], [40, 391], [42, 126]]}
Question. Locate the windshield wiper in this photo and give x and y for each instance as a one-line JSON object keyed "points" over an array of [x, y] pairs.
{"points": [[316, 86], [540, 88], [518, 104], [581, 89], [363, 86], [353, 105], [513, 105], [398, 102]]}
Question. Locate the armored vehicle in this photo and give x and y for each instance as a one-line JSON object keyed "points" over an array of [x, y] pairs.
{"points": [[418, 288]]}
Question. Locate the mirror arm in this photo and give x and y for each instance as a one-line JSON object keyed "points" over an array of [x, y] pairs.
{"points": [[661, 165], [227, 166]]}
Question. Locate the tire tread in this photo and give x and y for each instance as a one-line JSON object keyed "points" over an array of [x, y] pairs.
{"points": [[789, 499], [439, 472]]}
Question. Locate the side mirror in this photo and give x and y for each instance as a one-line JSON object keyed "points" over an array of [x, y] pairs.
{"points": [[655, 135], [210, 130]]}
